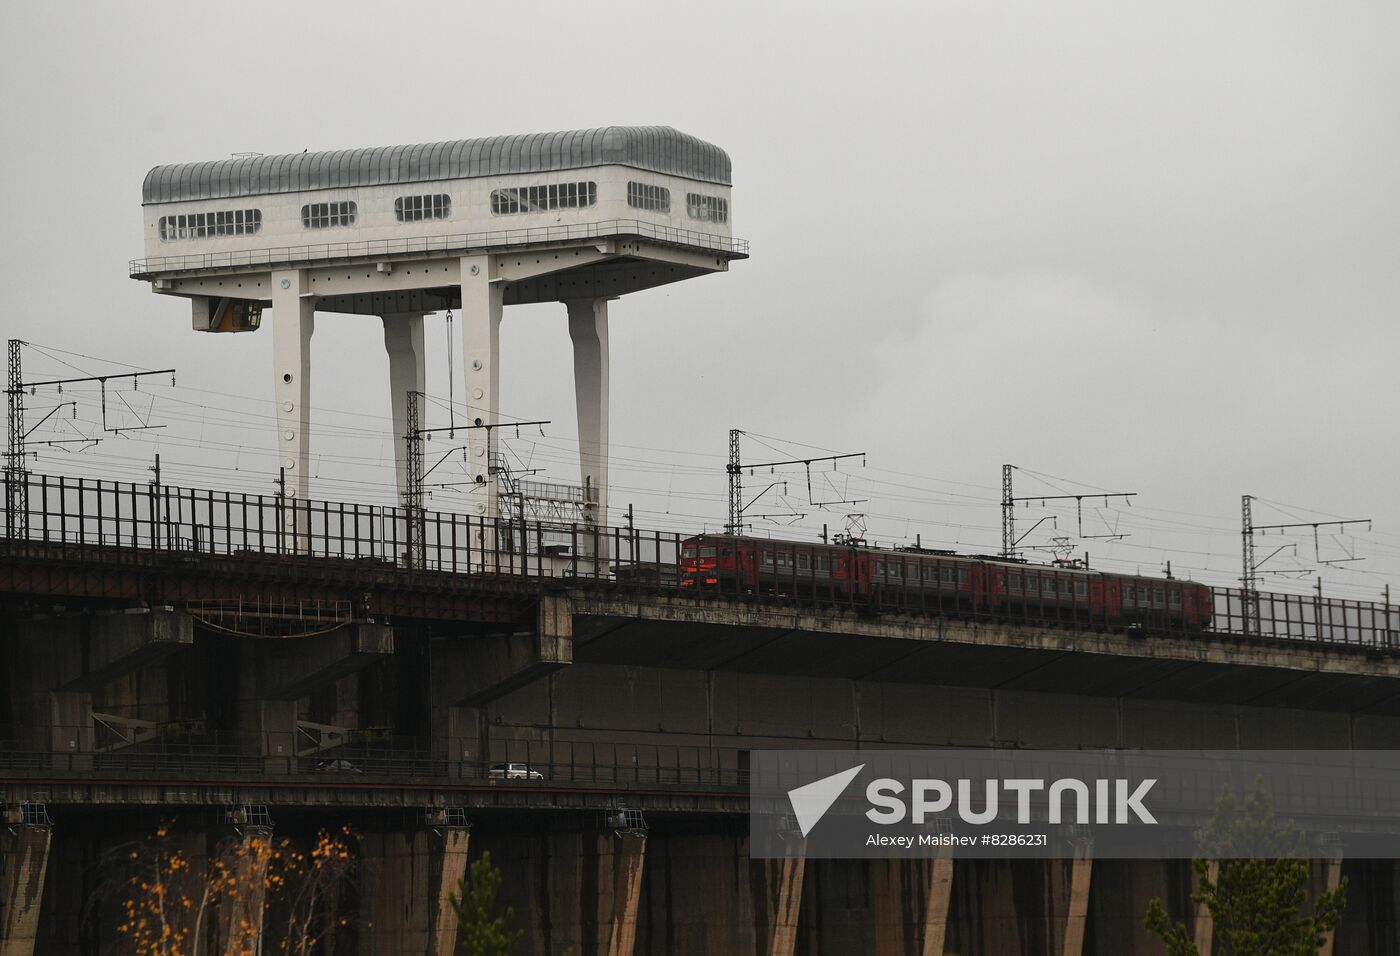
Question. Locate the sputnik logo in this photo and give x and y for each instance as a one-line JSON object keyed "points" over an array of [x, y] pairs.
{"points": [[811, 801]]}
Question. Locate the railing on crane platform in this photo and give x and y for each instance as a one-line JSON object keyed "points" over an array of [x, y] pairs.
{"points": [[424, 245]]}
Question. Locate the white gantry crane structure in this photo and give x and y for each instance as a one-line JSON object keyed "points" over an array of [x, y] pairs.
{"points": [[579, 217]]}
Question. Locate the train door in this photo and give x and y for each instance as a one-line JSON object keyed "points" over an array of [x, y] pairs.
{"points": [[859, 565], [1106, 601], [987, 588]]}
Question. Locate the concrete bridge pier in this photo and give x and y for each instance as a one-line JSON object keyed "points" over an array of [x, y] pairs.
{"points": [[24, 857], [1077, 908], [239, 926], [777, 889], [1203, 929], [911, 900], [1331, 878], [407, 880], [618, 878]]}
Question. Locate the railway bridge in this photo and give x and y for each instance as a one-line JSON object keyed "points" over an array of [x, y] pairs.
{"points": [[172, 655]]}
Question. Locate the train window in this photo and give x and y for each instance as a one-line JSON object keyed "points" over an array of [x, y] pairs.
{"points": [[707, 552], [324, 215], [727, 553], [1175, 598], [1156, 595], [804, 562], [879, 568], [647, 196], [206, 225], [708, 208], [1081, 589], [768, 559], [823, 563], [947, 575], [1013, 582], [962, 575], [415, 208]]}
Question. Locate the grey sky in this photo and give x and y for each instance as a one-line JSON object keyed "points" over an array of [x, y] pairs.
{"points": [[1151, 247]]}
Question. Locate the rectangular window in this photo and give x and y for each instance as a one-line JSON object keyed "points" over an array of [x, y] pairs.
{"points": [[1013, 581], [708, 208], [651, 198], [417, 208], [1080, 590], [804, 562], [326, 215], [236, 222], [519, 199]]}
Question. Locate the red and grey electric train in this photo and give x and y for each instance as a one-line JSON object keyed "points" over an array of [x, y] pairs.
{"points": [[942, 581]]}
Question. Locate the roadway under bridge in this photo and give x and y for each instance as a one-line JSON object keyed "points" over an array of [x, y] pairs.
{"points": [[214, 686]]}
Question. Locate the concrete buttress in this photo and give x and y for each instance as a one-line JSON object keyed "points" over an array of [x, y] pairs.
{"points": [[1077, 915], [407, 880], [911, 900], [777, 887], [24, 857], [619, 891]]}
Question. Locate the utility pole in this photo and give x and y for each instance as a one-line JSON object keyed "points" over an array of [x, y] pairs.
{"points": [[1249, 579], [736, 485], [16, 479], [413, 493], [1008, 512], [735, 468]]}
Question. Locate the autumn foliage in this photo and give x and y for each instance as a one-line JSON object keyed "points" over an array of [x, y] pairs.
{"points": [[176, 904]]}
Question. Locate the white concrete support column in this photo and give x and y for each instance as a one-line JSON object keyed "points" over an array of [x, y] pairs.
{"points": [[588, 328], [403, 340], [482, 304], [293, 321]]}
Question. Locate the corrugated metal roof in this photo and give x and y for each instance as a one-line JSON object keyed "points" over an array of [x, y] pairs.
{"points": [[657, 148]]}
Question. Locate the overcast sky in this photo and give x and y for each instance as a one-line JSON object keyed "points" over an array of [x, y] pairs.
{"points": [[1141, 247]]}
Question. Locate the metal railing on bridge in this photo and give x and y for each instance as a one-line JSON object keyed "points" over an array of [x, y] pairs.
{"points": [[123, 516], [512, 763], [166, 518]]}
